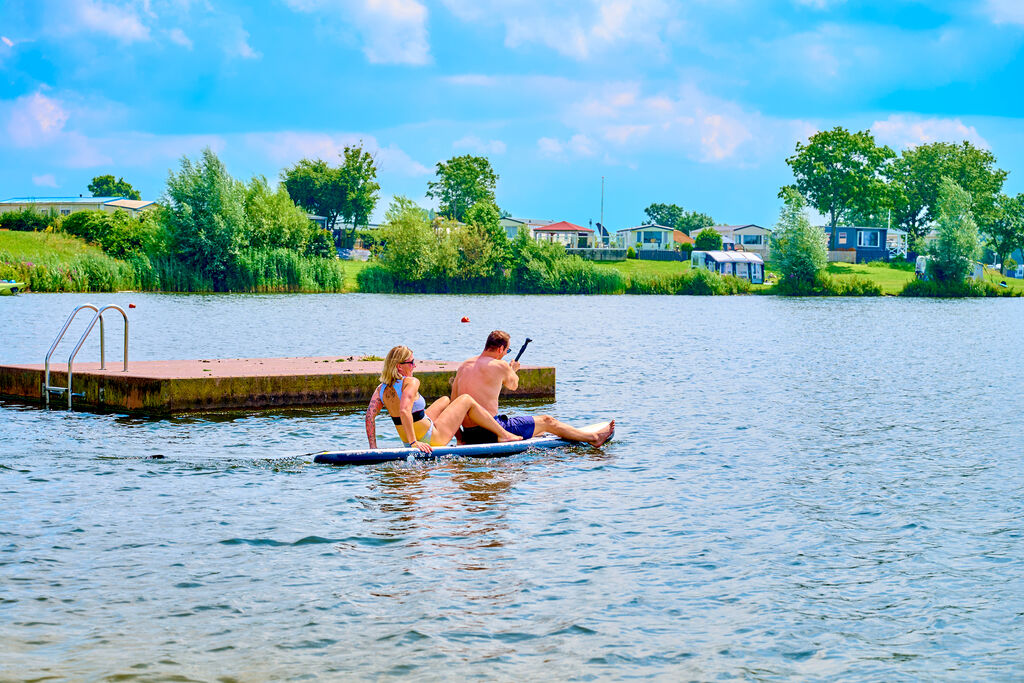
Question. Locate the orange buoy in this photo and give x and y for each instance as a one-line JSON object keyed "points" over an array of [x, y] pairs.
{"points": [[131, 305], [465, 319]]}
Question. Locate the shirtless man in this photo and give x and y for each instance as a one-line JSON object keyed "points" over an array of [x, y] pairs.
{"points": [[482, 378]]}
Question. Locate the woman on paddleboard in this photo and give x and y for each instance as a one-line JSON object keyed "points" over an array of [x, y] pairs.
{"points": [[419, 426]]}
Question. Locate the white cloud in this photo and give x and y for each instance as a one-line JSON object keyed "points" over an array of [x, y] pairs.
{"points": [[1004, 11], [44, 180], [120, 22], [287, 147], [902, 131], [35, 120], [178, 37], [577, 146], [475, 144], [238, 45], [391, 31], [578, 30], [6, 41]]}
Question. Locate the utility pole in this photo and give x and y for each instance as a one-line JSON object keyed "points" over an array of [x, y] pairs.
{"points": [[602, 202]]}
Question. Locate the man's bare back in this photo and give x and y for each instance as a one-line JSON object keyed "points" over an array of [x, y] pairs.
{"points": [[482, 377]]}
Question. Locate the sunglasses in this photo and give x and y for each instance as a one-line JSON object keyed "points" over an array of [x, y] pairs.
{"points": [[411, 361]]}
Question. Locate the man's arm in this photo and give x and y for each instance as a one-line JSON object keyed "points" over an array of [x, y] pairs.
{"points": [[371, 416], [511, 376]]}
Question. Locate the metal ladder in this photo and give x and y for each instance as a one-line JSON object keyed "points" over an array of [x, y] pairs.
{"points": [[98, 315]]}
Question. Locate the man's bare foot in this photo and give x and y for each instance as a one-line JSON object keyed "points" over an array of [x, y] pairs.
{"points": [[603, 435], [509, 436]]}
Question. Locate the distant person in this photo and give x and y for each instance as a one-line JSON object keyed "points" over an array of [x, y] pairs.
{"points": [[418, 426], [483, 376]]}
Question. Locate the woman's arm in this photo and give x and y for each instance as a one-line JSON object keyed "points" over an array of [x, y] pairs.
{"points": [[371, 416]]}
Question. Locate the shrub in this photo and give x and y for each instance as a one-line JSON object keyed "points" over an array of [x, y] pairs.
{"points": [[857, 286], [798, 248], [1009, 264], [26, 220], [955, 290], [957, 246], [697, 282], [630, 252], [708, 239]]}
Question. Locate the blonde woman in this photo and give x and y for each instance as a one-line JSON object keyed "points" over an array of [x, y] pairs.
{"points": [[419, 426]]}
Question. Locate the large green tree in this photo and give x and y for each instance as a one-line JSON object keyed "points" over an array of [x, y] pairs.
{"points": [[798, 248], [839, 172], [914, 181], [957, 247], [106, 186], [206, 216], [674, 216], [347, 192], [462, 182], [1005, 232], [708, 240]]}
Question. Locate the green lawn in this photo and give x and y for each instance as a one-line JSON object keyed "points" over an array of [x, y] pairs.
{"points": [[29, 246], [638, 267], [352, 270], [890, 279]]}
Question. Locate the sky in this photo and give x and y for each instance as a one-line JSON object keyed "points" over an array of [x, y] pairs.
{"points": [[696, 103]]}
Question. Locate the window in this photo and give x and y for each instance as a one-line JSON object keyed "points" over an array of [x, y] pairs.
{"points": [[751, 239], [842, 238], [868, 238], [649, 236], [65, 212]]}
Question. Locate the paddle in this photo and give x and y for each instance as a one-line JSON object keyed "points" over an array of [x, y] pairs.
{"points": [[522, 348]]}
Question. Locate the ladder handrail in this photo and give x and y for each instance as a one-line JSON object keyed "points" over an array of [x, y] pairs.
{"points": [[56, 340], [88, 329]]}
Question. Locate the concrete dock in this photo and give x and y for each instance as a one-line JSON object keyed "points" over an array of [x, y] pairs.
{"points": [[183, 386]]}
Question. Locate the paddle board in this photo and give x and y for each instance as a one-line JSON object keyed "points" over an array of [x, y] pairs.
{"points": [[372, 456]]}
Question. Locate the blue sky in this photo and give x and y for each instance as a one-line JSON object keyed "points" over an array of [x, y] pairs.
{"points": [[696, 103]]}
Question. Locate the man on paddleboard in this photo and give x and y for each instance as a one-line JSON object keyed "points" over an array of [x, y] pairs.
{"points": [[483, 376]]}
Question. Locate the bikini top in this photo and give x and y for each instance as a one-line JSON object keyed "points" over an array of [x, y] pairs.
{"points": [[418, 405]]}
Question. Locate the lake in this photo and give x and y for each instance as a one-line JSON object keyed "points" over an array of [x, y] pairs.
{"points": [[812, 488]]}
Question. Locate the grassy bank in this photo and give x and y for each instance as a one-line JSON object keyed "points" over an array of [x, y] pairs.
{"points": [[56, 262]]}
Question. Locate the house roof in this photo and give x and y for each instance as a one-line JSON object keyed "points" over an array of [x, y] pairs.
{"points": [[528, 221], [732, 256], [132, 204], [647, 226], [681, 237], [60, 200], [563, 226]]}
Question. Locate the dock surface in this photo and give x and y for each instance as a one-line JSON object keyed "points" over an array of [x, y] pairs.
{"points": [[181, 386]]}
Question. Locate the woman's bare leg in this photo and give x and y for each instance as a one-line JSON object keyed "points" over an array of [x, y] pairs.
{"points": [[451, 418], [437, 407]]}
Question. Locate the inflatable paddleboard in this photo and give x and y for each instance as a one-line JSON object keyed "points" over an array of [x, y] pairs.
{"points": [[372, 456]]}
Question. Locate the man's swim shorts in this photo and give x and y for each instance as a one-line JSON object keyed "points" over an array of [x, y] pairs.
{"points": [[523, 425]]}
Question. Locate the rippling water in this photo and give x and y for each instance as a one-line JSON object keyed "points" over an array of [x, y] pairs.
{"points": [[809, 488]]}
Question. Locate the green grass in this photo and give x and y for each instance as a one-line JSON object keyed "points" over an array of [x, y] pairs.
{"points": [[631, 267], [891, 278], [995, 277], [352, 270], [38, 246]]}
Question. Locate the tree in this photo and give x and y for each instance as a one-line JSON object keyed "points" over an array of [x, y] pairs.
{"points": [[708, 240], [462, 182], [957, 248], [106, 186], [206, 216], [486, 217], [914, 180], [798, 248], [359, 180], [274, 221], [348, 192], [410, 243], [673, 216], [839, 172], [1005, 231]]}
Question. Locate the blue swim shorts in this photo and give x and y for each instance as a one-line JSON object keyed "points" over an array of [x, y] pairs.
{"points": [[523, 425]]}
